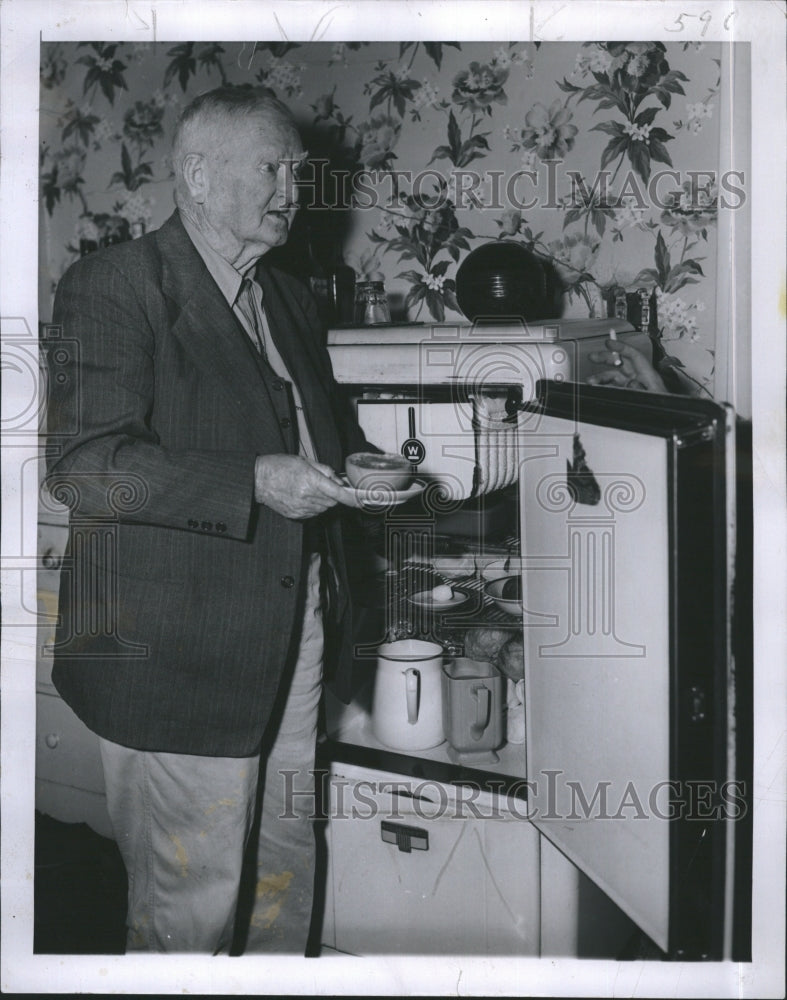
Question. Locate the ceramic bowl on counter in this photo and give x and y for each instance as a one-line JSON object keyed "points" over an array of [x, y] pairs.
{"points": [[506, 594]]}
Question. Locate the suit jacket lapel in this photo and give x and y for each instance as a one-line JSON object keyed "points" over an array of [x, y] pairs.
{"points": [[211, 335]]}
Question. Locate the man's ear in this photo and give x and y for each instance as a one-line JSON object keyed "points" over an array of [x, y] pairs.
{"points": [[196, 176]]}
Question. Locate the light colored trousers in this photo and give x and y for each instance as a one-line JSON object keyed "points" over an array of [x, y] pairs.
{"points": [[182, 823]]}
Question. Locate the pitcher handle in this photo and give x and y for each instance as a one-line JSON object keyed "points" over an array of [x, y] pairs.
{"points": [[483, 706], [412, 678]]}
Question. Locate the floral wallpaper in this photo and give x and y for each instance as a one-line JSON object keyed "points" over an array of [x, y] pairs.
{"points": [[599, 157]]}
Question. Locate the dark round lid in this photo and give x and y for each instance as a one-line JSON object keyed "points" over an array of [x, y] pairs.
{"points": [[502, 279]]}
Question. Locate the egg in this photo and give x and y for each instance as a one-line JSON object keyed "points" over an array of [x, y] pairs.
{"points": [[442, 594]]}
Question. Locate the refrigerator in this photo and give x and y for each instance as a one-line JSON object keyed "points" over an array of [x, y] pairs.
{"points": [[632, 525]]}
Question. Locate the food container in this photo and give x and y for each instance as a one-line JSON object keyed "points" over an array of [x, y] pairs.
{"points": [[407, 702], [494, 589], [498, 568], [371, 304], [474, 700]]}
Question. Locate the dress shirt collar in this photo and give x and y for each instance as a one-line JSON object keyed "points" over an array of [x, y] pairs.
{"points": [[223, 273]]}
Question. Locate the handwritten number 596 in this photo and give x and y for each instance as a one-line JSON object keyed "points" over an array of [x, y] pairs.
{"points": [[706, 17]]}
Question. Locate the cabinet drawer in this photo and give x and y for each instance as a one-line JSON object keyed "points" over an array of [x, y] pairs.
{"points": [[405, 880], [66, 751]]}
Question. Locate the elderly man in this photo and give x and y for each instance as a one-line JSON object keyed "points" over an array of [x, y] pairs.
{"points": [[200, 426]]}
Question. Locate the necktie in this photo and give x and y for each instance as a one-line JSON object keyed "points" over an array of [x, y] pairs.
{"points": [[248, 306]]}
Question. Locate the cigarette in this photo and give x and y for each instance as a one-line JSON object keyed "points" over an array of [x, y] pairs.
{"points": [[617, 361]]}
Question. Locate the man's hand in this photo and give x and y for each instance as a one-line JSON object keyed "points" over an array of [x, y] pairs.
{"points": [[297, 487], [628, 368]]}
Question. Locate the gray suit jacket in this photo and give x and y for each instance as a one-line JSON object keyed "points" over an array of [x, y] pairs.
{"points": [[179, 594]]}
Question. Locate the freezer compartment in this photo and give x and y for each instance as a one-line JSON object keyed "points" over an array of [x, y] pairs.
{"points": [[464, 443], [446, 396]]}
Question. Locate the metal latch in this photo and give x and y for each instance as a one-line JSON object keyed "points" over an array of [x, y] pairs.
{"points": [[406, 838]]}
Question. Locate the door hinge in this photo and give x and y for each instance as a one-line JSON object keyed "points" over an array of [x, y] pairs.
{"points": [[697, 708], [688, 437]]}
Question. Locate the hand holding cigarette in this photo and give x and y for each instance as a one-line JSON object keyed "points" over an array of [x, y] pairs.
{"points": [[628, 367]]}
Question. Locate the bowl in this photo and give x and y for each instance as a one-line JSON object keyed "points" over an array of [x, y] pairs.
{"points": [[368, 469], [497, 568], [494, 590]]}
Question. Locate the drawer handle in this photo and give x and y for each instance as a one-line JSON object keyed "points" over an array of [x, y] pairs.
{"points": [[406, 838], [51, 559], [52, 740]]}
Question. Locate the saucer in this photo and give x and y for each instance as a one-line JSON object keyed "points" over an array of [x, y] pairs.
{"points": [[382, 496], [424, 599]]}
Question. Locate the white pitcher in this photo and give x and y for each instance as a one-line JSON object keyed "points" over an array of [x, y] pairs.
{"points": [[407, 711]]}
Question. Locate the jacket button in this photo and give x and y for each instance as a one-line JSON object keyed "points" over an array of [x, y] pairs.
{"points": [[221, 526], [192, 524], [287, 582], [207, 525], [285, 422], [277, 384]]}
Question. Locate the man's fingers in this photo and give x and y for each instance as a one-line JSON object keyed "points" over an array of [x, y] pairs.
{"points": [[296, 487], [617, 378], [349, 498], [326, 471], [334, 490], [613, 357]]}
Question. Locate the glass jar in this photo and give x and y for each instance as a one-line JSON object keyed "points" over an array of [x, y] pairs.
{"points": [[371, 304]]}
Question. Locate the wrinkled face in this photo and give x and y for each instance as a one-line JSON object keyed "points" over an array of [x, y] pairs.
{"points": [[251, 194]]}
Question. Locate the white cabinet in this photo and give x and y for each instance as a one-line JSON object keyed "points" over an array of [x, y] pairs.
{"points": [[52, 536], [69, 778]]}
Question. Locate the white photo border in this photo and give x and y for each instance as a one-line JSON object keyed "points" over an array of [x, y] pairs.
{"points": [[25, 23]]}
